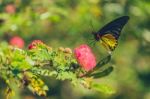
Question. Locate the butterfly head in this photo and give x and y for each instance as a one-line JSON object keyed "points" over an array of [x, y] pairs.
{"points": [[96, 36]]}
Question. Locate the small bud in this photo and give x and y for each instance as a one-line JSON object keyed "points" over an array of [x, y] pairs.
{"points": [[10, 8], [34, 44], [68, 50], [49, 48], [61, 49]]}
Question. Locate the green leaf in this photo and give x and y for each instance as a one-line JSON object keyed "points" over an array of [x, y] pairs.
{"points": [[103, 62], [66, 75], [43, 72], [103, 73], [103, 88]]}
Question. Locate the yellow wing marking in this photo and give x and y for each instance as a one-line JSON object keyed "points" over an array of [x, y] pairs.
{"points": [[109, 42]]}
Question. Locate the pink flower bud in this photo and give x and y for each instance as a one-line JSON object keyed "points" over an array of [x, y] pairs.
{"points": [[34, 44], [85, 57], [17, 41], [10, 8]]}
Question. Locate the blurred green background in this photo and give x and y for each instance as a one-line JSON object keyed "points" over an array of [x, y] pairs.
{"points": [[68, 23]]}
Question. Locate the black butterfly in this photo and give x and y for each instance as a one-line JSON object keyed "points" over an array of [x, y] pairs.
{"points": [[109, 34]]}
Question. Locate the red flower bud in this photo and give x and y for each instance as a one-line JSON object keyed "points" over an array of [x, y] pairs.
{"points": [[17, 41], [34, 44], [85, 57], [10, 8]]}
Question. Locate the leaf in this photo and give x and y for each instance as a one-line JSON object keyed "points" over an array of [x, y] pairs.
{"points": [[103, 73], [66, 75], [43, 72], [19, 60], [103, 62], [103, 88]]}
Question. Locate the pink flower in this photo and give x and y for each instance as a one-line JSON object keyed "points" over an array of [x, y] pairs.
{"points": [[17, 41], [10, 8], [85, 57], [34, 44]]}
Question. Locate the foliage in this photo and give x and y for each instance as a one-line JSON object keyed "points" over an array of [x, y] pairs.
{"points": [[26, 67]]}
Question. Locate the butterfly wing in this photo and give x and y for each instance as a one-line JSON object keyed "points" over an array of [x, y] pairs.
{"points": [[109, 42], [110, 32], [114, 27]]}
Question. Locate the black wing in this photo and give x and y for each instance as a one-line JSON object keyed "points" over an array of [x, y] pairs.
{"points": [[114, 27]]}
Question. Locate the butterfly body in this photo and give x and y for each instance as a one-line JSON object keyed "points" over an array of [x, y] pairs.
{"points": [[96, 36], [109, 34]]}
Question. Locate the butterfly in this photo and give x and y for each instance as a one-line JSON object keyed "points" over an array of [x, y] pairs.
{"points": [[109, 34]]}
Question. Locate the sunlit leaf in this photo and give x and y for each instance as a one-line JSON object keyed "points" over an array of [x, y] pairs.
{"points": [[103, 88]]}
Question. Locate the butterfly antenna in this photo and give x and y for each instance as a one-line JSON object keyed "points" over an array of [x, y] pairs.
{"points": [[92, 27], [92, 41]]}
